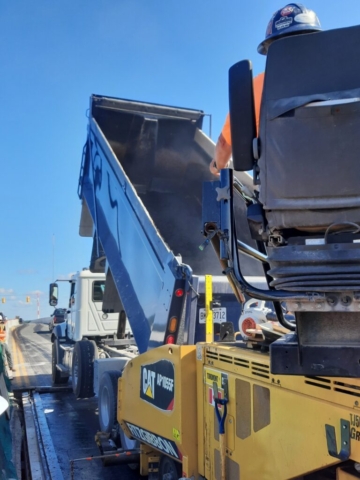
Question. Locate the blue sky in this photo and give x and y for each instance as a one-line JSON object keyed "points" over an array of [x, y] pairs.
{"points": [[53, 55]]}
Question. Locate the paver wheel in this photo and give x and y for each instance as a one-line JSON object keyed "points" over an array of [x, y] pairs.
{"points": [[84, 354], [108, 393], [57, 379], [108, 400]]}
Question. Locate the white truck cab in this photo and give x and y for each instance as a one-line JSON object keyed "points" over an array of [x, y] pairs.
{"points": [[85, 317], [89, 335]]}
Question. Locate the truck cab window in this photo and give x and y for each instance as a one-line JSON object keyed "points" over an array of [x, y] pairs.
{"points": [[98, 291], [72, 293]]}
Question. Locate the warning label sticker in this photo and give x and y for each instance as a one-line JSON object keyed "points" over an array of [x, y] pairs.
{"points": [[212, 376], [220, 379]]}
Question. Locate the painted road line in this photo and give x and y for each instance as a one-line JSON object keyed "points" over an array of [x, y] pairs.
{"points": [[13, 350], [15, 354], [27, 364], [20, 359], [25, 377]]}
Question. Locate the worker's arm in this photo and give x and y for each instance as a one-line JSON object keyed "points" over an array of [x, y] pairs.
{"points": [[222, 155], [222, 149]]}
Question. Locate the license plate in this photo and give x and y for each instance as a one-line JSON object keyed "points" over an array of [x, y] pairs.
{"points": [[219, 315]]}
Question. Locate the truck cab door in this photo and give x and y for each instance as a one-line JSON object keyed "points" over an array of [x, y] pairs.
{"points": [[71, 312], [97, 294]]}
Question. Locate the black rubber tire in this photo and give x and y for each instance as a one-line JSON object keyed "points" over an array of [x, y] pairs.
{"points": [[107, 401], [168, 465], [96, 351], [82, 370], [128, 444], [56, 377]]}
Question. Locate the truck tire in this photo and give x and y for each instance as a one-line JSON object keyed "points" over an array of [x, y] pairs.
{"points": [[169, 469], [57, 379], [129, 444], [85, 352], [108, 400]]}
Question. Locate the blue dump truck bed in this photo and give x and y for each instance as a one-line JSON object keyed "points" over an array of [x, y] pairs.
{"points": [[141, 182]]}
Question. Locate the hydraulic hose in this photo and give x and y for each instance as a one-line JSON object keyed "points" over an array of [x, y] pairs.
{"points": [[215, 241], [267, 295]]}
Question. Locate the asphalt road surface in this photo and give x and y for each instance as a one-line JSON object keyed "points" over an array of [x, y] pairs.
{"points": [[72, 423]]}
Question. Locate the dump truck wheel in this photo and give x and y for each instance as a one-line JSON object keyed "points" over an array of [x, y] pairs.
{"points": [[169, 469], [108, 400], [57, 379], [83, 369]]}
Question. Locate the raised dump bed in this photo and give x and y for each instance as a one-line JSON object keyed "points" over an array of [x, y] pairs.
{"points": [[142, 175]]}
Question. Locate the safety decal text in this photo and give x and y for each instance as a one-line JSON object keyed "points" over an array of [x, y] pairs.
{"points": [[157, 441], [355, 427], [219, 378], [283, 22]]}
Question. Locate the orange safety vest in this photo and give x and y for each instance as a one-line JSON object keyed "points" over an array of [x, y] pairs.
{"points": [[2, 332], [258, 89]]}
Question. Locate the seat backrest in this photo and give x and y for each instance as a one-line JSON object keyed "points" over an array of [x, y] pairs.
{"points": [[310, 130]]}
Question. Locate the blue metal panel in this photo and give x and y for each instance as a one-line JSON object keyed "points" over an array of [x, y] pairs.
{"points": [[142, 266], [141, 178]]}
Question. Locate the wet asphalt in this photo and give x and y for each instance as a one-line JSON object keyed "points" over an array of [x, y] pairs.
{"points": [[72, 423]]}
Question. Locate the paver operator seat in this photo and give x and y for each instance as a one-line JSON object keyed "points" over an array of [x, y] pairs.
{"points": [[307, 165], [310, 158]]}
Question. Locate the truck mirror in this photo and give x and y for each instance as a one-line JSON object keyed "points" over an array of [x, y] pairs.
{"points": [[53, 294], [242, 115]]}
